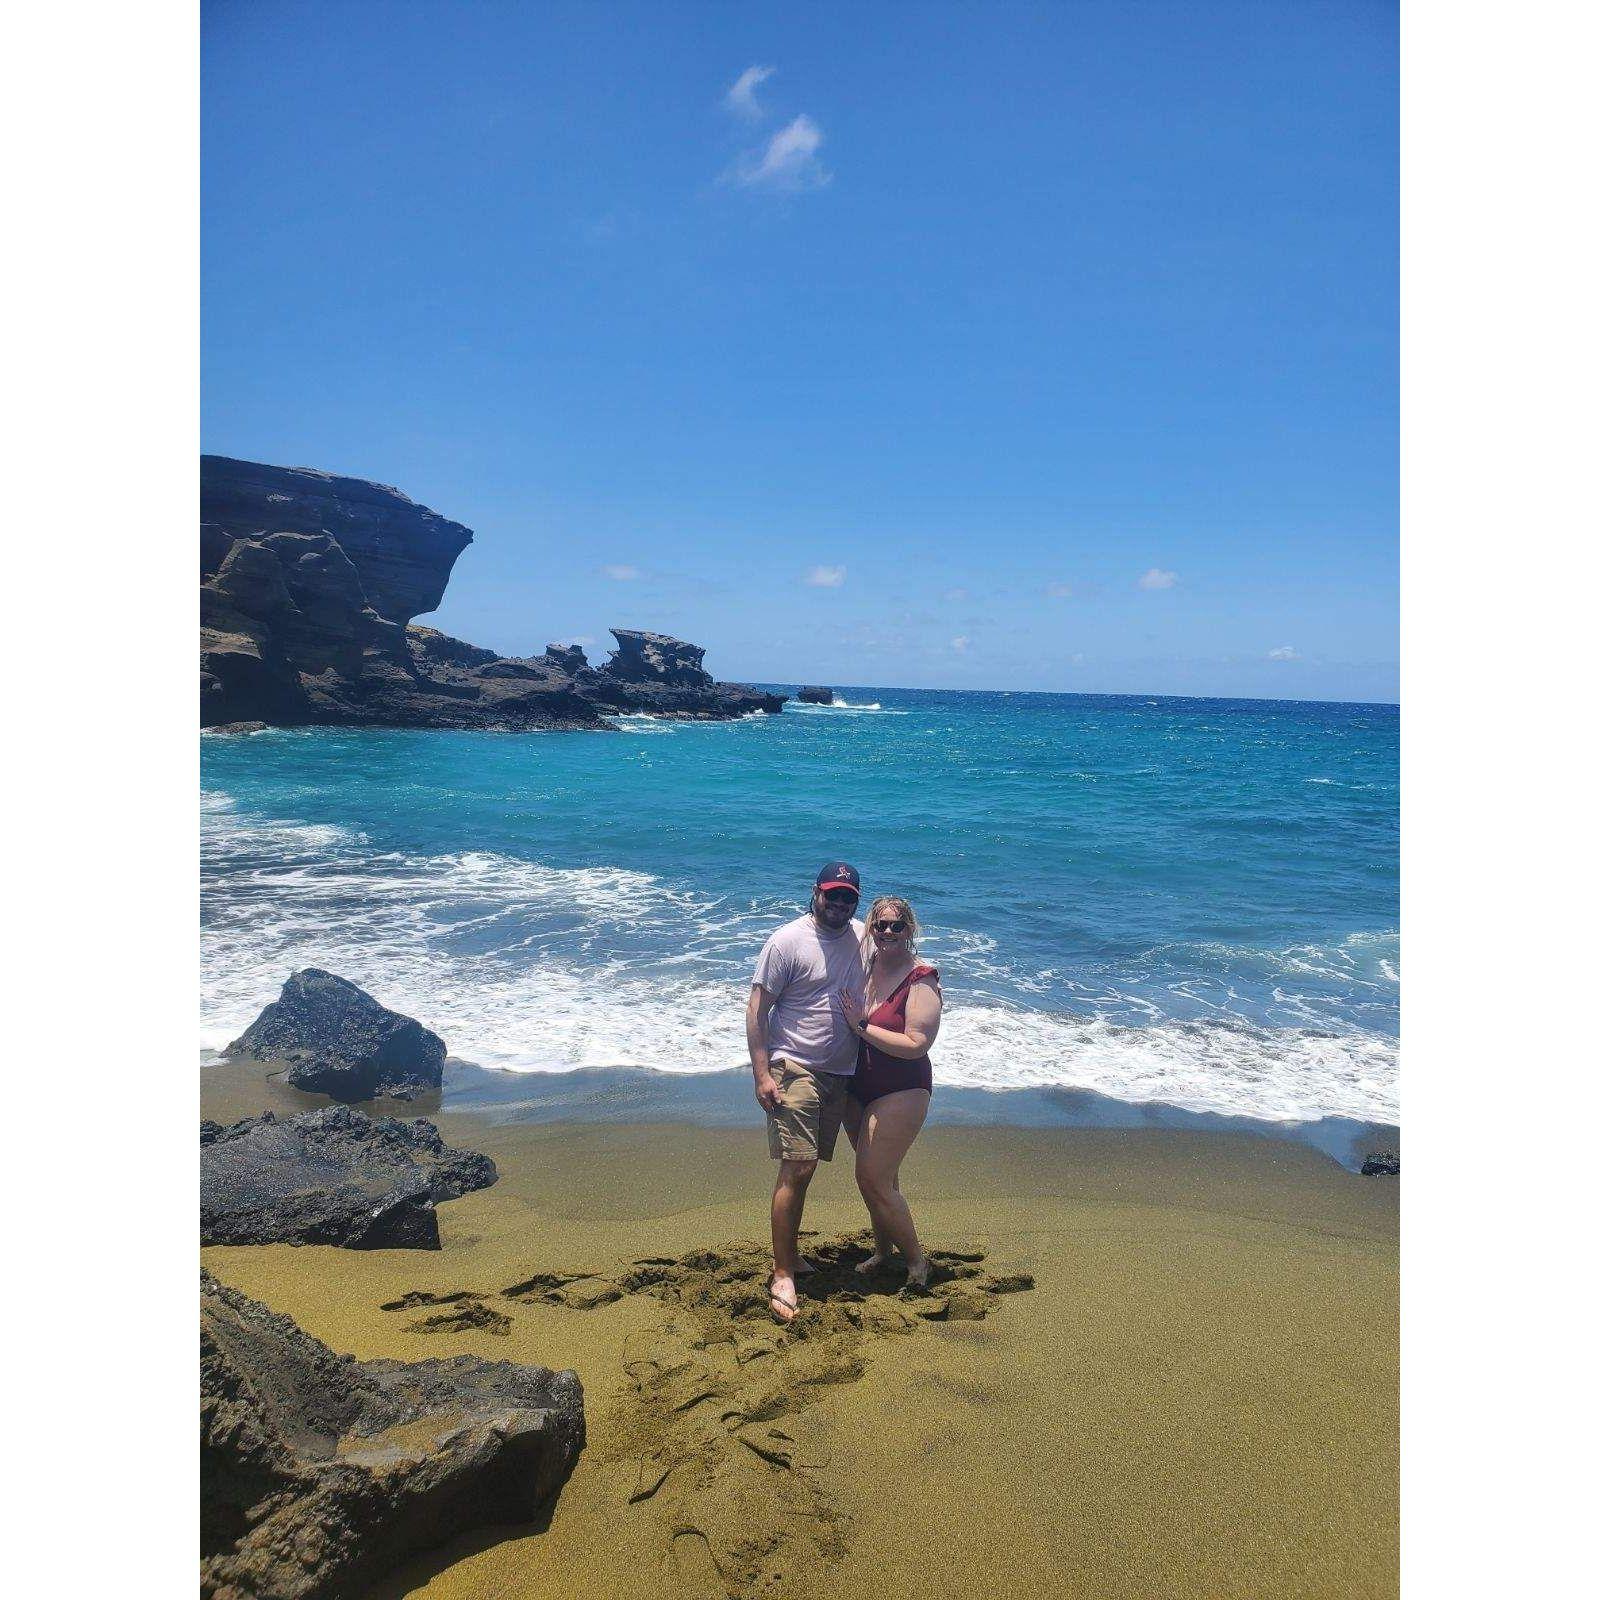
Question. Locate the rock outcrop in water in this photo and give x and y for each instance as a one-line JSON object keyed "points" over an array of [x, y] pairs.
{"points": [[337, 1040], [319, 1473], [333, 1176], [308, 586], [662, 676], [815, 695], [567, 658], [657, 659]]}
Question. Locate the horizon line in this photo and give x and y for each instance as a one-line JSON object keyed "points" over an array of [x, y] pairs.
{"points": [[1075, 694]]}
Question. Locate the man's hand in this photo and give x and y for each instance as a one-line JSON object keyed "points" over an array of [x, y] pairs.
{"points": [[767, 1091]]}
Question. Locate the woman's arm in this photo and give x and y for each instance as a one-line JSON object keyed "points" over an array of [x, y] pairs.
{"points": [[924, 1007]]}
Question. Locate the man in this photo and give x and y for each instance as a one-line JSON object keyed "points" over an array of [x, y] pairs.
{"points": [[802, 1052]]}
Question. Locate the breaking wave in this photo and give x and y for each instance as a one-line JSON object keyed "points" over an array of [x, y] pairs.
{"points": [[533, 967]]}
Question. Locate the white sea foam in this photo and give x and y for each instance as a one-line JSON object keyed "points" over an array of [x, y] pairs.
{"points": [[844, 708], [531, 967]]}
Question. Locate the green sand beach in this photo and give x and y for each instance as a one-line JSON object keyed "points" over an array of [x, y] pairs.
{"points": [[1197, 1397]]}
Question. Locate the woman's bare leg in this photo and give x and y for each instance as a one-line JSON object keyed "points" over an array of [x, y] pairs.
{"points": [[882, 1244], [888, 1128]]}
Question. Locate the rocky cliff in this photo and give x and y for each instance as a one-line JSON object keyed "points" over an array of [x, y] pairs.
{"points": [[308, 586]]}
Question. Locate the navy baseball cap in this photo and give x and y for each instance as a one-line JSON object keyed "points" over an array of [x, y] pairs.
{"points": [[840, 875]]}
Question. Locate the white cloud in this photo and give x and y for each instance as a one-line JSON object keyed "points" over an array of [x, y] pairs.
{"points": [[957, 594], [741, 98], [825, 577], [621, 572], [960, 642], [789, 161], [1284, 652], [1059, 591], [1155, 578], [1076, 658]]}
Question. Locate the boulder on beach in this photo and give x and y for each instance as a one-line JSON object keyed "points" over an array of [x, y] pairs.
{"points": [[334, 1176], [319, 1474], [337, 1040], [815, 695], [1381, 1164]]}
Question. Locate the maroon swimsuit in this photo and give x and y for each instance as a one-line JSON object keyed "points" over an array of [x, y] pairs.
{"points": [[878, 1074]]}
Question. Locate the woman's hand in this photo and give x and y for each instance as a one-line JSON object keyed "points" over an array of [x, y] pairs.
{"points": [[851, 1007]]}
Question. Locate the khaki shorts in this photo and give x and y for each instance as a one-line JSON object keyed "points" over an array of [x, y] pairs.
{"points": [[807, 1126]]}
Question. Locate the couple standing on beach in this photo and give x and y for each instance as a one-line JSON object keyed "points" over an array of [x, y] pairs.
{"points": [[840, 1018]]}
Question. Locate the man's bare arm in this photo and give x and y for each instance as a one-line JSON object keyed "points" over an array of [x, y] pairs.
{"points": [[755, 1034]]}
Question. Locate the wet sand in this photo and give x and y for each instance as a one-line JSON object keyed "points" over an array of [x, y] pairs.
{"points": [[1196, 1397]]}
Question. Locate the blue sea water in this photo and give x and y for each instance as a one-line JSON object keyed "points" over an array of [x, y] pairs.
{"points": [[1177, 900]]}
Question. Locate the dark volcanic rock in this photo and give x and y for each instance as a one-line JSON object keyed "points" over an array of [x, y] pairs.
{"points": [[430, 648], [333, 1176], [1381, 1164], [397, 552], [339, 1041], [813, 696], [320, 1473], [656, 658], [309, 582], [568, 658], [655, 673]]}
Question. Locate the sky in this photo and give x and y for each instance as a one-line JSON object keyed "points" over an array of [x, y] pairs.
{"points": [[1000, 346]]}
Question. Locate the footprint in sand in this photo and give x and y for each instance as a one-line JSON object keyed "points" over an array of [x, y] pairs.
{"points": [[471, 1316], [468, 1312], [582, 1291], [425, 1297]]}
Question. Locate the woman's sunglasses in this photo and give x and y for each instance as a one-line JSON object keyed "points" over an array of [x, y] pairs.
{"points": [[889, 925]]}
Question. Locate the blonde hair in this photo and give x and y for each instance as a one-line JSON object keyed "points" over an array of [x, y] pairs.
{"points": [[902, 908]]}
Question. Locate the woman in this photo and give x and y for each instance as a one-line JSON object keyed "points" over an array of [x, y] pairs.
{"points": [[893, 1080]]}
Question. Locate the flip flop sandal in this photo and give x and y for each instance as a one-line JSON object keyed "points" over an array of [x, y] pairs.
{"points": [[775, 1299]]}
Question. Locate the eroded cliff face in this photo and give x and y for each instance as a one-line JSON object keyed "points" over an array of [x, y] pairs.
{"points": [[307, 583], [308, 586], [401, 553]]}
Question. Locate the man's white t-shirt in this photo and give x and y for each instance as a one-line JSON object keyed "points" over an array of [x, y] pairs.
{"points": [[804, 968]]}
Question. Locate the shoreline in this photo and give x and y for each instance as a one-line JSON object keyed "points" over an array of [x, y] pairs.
{"points": [[723, 1099], [1198, 1397]]}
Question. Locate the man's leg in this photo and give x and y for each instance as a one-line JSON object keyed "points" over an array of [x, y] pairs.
{"points": [[788, 1203]]}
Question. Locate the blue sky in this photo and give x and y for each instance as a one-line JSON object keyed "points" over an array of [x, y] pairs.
{"points": [[989, 346]]}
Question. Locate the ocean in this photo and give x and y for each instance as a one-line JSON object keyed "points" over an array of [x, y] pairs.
{"points": [[1185, 901]]}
